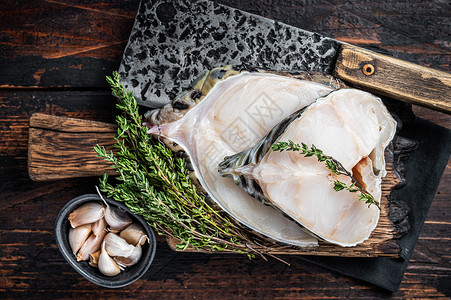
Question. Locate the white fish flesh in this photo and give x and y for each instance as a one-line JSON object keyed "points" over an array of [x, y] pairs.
{"points": [[353, 127]]}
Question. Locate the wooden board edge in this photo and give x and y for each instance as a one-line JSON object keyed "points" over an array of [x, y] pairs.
{"points": [[67, 124]]}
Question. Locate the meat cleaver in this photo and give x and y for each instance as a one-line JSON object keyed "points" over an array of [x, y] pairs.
{"points": [[175, 42]]}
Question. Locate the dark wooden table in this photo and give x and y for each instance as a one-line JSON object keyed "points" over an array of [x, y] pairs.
{"points": [[54, 56]]}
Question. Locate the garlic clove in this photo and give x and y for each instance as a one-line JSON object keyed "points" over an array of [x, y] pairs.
{"points": [[116, 218], [117, 246], [87, 213], [134, 257], [106, 264], [99, 226], [91, 245], [94, 259], [77, 236], [133, 233]]}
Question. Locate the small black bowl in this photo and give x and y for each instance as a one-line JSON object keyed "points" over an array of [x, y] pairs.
{"points": [[126, 277]]}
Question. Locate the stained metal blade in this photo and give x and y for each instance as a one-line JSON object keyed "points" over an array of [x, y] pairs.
{"points": [[173, 43]]}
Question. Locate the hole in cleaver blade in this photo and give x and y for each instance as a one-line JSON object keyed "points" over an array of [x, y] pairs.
{"points": [[165, 12]]}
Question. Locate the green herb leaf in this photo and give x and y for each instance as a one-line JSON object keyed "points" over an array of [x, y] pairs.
{"points": [[338, 185]]}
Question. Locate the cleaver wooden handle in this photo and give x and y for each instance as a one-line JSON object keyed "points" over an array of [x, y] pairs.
{"points": [[394, 78]]}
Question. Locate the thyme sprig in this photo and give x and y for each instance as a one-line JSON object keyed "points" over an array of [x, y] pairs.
{"points": [[332, 164], [156, 184]]}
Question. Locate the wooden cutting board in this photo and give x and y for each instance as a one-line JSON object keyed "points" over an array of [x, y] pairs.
{"points": [[61, 147]]}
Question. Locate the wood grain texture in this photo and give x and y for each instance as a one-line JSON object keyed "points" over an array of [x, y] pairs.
{"points": [[60, 147], [394, 78], [30, 263], [77, 43], [62, 43]]}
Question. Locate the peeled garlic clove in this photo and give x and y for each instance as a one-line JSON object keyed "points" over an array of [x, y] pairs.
{"points": [[106, 264], [77, 236], [94, 259], [87, 213], [133, 233], [99, 226], [134, 256], [91, 245], [117, 218], [117, 246]]}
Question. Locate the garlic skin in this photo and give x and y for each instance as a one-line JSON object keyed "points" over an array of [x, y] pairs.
{"points": [[94, 259], [87, 213], [106, 264], [91, 245], [117, 246], [134, 256], [133, 233], [99, 226], [77, 236], [116, 218]]}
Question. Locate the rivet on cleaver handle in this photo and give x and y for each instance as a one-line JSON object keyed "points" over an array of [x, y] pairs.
{"points": [[394, 78]]}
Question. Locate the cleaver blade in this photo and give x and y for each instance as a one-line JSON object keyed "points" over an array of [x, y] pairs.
{"points": [[173, 43]]}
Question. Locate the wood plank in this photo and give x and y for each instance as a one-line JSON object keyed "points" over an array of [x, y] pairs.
{"points": [[51, 43], [61, 147], [77, 43], [69, 125]]}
